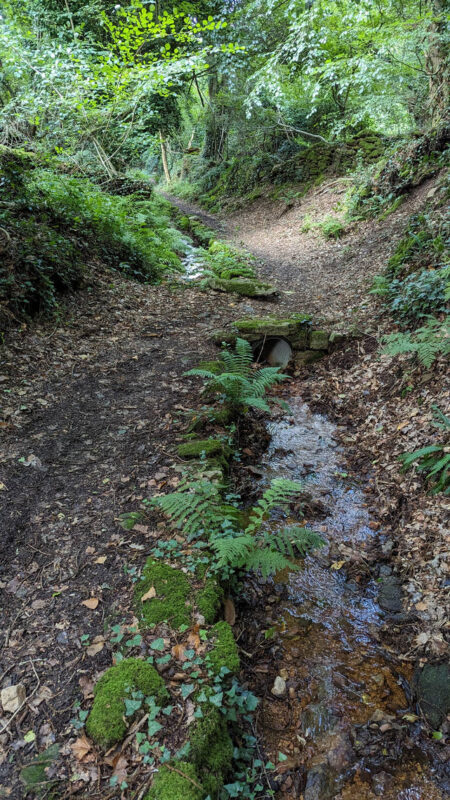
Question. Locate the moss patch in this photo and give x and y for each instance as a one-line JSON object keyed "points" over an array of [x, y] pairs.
{"points": [[170, 785], [211, 749], [105, 724], [171, 603], [209, 599], [243, 286], [224, 652], [199, 447]]}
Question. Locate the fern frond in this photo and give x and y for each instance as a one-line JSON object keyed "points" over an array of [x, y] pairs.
{"points": [[278, 495], [293, 540], [195, 508], [268, 561], [257, 402], [232, 551]]}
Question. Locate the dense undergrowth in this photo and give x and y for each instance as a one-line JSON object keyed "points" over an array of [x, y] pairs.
{"points": [[55, 228]]}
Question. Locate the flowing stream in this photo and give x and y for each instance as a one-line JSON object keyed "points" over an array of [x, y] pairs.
{"points": [[341, 722]]}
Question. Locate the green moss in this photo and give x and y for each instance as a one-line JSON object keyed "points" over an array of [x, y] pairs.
{"points": [[272, 326], [319, 340], [170, 785], [209, 599], [393, 207], [171, 603], [201, 447], [105, 724], [243, 286], [224, 652], [211, 749], [212, 366]]}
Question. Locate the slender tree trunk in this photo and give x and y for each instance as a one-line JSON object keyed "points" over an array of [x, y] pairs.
{"points": [[216, 134], [164, 156], [438, 64]]}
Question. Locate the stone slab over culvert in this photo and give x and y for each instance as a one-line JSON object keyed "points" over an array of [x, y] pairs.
{"points": [[307, 343]]}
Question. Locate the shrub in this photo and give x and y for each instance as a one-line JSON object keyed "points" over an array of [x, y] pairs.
{"points": [[54, 226], [426, 342], [332, 228]]}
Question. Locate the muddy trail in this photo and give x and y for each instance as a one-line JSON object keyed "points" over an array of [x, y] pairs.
{"points": [[93, 409]]}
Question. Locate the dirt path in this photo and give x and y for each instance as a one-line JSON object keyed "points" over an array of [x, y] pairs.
{"points": [[92, 410]]}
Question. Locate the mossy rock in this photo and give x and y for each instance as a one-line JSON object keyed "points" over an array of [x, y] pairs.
{"points": [[224, 652], [105, 724], [243, 286], [237, 272], [198, 448], [318, 340], [183, 784], [34, 775], [305, 357], [211, 749], [173, 591], [209, 600], [253, 329]]}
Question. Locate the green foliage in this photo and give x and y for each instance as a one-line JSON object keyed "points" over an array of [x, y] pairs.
{"points": [[224, 652], [198, 510], [332, 228], [211, 748], [226, 262], [434, 460], [169, 784], [173, 591], [426, 342], [238, 386], [106, 724], [209, 600], [419, 294], [56, 227]]}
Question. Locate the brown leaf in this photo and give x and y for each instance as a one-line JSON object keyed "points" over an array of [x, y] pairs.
{"points": [[194, 640], [120, 769], [100, 560], [140, 528], [229, 611], [86, 686], [178, 652], [91, 603], [81, 747], [95, 648], [148, 595]]}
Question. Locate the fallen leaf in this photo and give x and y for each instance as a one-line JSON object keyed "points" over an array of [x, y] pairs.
{"points": [[148, 595], [100, 560], [178, 652], [120, 769], [421, 606], [93, 649], [81, 747], [91, 603], [337, 564], [194, 640], [140, 528], [229, 611]]}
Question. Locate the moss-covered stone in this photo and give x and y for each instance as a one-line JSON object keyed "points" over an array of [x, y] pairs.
{"points": [[209, 600], [105, 724], [171, 603], [308, 357], [198, 448], [247, 287], [318, 340], [211, 749], [224, 652], [179, 783]]}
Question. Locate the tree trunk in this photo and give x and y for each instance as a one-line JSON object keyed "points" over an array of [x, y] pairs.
{"points": [[216, 134], [164, 156], [438, 64]]}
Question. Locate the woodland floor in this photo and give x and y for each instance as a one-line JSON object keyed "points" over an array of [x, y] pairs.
{"points": [[92, 412]]}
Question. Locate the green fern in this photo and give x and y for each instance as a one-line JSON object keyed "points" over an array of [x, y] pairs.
{"points": [[280, 492], [426, 342], [434, 460], [238, 385], [293, 541], [196, 508]]}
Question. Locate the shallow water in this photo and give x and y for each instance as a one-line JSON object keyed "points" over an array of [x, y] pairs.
{"points": [[342, 686], [193, 263]]}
